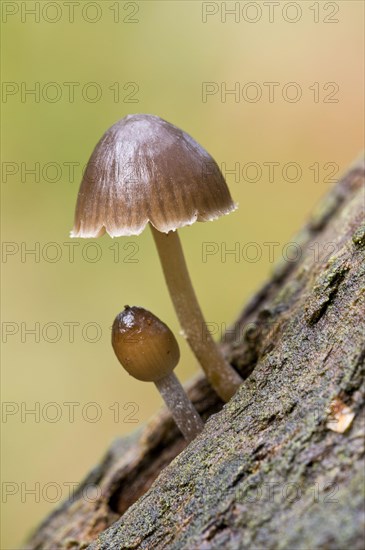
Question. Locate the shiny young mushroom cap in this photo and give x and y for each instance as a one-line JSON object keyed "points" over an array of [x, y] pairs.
{"points": [[144, 345], [148, 351], [145, 169]]}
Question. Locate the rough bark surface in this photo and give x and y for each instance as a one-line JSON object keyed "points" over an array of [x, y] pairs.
{"points": [[267, 471]]}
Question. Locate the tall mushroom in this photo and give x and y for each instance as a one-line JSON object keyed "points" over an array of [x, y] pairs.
{"points": [[146, 170]]}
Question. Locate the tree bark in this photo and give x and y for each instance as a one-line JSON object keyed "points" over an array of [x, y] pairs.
{"points": [[274, 468]]}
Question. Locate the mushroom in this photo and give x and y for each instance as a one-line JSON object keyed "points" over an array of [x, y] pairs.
{"points": [[146, 170], [148, 351]]}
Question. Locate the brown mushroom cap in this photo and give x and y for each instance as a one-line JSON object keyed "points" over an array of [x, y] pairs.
{"points": [[144, 345], [145, 169]]}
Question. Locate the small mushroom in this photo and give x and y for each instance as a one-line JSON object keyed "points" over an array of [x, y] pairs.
{"points": [[146, 170], [148, 351]]}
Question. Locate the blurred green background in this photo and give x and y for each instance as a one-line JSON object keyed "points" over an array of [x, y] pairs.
{"points": [[153, 57]]}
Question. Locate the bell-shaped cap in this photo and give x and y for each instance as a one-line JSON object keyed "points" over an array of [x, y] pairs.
{"points": [[145, 169]]}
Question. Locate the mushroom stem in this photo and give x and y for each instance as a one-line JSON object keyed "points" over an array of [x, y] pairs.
{"points": [[224, 379], [183, 412]]}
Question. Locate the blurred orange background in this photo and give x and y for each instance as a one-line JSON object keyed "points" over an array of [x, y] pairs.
{"points": [[296, 73]]}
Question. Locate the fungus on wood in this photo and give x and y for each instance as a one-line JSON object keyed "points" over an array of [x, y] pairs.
{"points": [[279, 466], [148, 350], [145, 170]]}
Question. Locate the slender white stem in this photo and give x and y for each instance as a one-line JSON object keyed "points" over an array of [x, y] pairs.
{"points": [[183, 411], [224, 379]]}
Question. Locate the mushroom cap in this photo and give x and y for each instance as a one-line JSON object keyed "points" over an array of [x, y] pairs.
{"points": [[145, 169], [144, 345]]}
